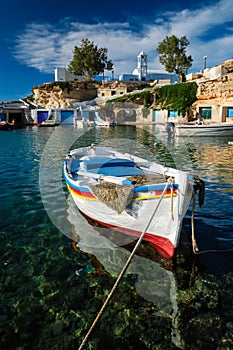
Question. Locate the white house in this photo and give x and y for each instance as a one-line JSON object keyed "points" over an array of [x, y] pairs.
{"points": [[61, 74]]}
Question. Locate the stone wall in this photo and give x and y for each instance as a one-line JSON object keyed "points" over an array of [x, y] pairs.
{"points": [[218, 90], [217, 94]]}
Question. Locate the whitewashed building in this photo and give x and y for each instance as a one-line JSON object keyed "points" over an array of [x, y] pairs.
{"points": [[142, 73]]}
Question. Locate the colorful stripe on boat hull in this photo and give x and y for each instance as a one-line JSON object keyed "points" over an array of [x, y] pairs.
{"points": [[84, 193]]}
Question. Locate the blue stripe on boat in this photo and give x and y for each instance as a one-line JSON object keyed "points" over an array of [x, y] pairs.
{"points": [[73, 185], [153, 187]]}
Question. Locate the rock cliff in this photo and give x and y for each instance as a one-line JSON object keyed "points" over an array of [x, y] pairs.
{"points": [[216, 90], [62, 94]]}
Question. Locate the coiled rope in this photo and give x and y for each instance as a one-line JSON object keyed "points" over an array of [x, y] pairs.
{"points": [[124, 269]]}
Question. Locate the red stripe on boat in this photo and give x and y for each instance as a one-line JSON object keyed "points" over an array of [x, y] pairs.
{"points": [[79, 193]]}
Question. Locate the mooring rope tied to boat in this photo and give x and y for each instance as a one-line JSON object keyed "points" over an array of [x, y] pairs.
{"points": [[124, 267], [194, 243], [196, 250], [171, 207]]}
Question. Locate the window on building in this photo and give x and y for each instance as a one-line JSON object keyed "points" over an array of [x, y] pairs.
{"points": [[230, 112], [172, 114], [206, 112]]}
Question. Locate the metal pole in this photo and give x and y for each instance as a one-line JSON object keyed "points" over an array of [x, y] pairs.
{"points": [[205, 58]]}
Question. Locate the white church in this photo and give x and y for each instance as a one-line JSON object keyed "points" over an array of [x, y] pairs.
{"points": [[141, 73]]}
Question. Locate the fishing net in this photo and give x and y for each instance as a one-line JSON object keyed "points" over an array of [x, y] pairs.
{"points": [[146, 179], [116, 196]]}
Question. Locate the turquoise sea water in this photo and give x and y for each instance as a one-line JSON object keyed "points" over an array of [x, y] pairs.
{"points": [[57, 268]]}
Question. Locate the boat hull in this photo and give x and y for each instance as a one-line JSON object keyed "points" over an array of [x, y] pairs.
{"points": [[163, 245]]}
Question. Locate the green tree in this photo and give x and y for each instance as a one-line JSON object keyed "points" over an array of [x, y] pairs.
{"points": [[89, 60], [173, 56]]}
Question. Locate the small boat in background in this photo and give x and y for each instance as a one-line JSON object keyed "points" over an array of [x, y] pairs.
{"points": [[5, 125], [214, 129], [171, 129], [49, 123], [130, 194]]}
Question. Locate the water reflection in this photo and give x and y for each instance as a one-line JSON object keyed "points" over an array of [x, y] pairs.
{"points": [[151, 281], [213, 159]]}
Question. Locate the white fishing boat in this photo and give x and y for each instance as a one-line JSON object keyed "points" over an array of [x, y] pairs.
{"points": [[218, 129], [130, 194]]}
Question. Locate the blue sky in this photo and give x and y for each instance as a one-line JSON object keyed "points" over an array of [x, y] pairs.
{"points": [[36, 37]]}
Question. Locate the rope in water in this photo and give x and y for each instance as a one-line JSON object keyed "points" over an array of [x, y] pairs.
{"points": [[123, 270], [194, 243]]}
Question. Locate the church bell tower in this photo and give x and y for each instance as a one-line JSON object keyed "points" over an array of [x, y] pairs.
{"points": [[142, 65]]}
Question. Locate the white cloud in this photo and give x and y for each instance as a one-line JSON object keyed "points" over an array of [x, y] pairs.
{"points": [[45, 47]]}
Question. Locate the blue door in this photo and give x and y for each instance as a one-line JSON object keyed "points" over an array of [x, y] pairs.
{"points": [[157, 115], [67, 117], [42, 116], [2, 117]]}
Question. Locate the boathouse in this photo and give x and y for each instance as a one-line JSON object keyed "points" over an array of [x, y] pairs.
{"points": [[16, 113]]}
